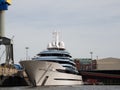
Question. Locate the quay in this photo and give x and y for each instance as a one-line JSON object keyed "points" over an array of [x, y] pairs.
{"points": [[9, 76]]}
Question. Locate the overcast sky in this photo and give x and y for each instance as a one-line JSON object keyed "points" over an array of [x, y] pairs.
{"points": [[84, 26]]}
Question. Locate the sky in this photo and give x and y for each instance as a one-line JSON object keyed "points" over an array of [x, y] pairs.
{"points": [[85, 26]]}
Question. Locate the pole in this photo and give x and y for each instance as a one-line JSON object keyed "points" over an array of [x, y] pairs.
{"points": [[91, 59], [26, 52], [2, 25], [91, 55]]}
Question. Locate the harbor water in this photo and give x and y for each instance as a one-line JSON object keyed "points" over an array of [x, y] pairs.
{"points": [[83, 87]]}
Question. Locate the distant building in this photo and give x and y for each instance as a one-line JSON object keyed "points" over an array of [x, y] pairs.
{"points": [[102, 71], [108, 64], [100, 64], [85, 64]]}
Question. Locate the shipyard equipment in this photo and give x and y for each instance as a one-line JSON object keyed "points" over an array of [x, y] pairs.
{"points": [[4, 40]]}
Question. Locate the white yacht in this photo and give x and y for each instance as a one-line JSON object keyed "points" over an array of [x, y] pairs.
{"points": [[53, 66]]}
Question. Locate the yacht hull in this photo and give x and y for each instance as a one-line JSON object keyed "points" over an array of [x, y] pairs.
{"points": [[43, 73]]}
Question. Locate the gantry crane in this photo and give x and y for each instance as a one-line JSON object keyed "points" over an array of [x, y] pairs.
{"points": [[4, 40]]}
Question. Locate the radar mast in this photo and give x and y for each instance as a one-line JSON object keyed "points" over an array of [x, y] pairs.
{"points": [[56, 44]]}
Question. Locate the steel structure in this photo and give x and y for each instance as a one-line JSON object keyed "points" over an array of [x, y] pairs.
{"points": [[4, 40]]}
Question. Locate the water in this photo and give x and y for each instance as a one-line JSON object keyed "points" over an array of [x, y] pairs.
{"points": [[92, 87]]}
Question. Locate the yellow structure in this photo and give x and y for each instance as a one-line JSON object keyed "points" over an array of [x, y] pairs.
{"points": [[9, 2]]}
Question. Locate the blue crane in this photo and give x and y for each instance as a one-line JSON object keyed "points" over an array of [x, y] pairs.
{"points": [[4, 4], [4, 40]]}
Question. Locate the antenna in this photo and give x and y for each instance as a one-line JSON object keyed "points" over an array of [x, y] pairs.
{"points": [[56, 44], [56, 37]]}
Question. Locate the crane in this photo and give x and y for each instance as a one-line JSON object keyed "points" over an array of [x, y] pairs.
{"points": [[4, 40]]}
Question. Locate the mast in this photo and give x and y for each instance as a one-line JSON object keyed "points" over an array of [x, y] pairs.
{"points": [[56, 37], [56, 44]]}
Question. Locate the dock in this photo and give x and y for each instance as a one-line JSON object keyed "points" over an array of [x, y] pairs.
{"points": [[10, 76]]}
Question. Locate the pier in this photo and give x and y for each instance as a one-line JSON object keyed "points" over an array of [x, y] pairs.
{"points": [[9, 76]]}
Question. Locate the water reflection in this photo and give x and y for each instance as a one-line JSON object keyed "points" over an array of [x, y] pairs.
{"points": [[64, 88]]}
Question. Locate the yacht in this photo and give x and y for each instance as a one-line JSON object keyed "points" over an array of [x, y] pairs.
{"points": [[53, 66]]}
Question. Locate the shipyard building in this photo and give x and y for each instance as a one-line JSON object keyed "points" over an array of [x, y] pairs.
{"points": [[108, 64], [102, 71]]}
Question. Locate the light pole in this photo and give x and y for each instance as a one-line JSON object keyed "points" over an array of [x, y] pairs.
{"points": [[26, 52], [91, 53]]}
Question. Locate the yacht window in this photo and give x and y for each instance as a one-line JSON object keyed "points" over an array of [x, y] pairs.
{"points": [[65, 71], [62, 55], [66, 62]]}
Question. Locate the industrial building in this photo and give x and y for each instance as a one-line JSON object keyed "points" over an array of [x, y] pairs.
{"points": [[108, 64], [103, 71]]}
